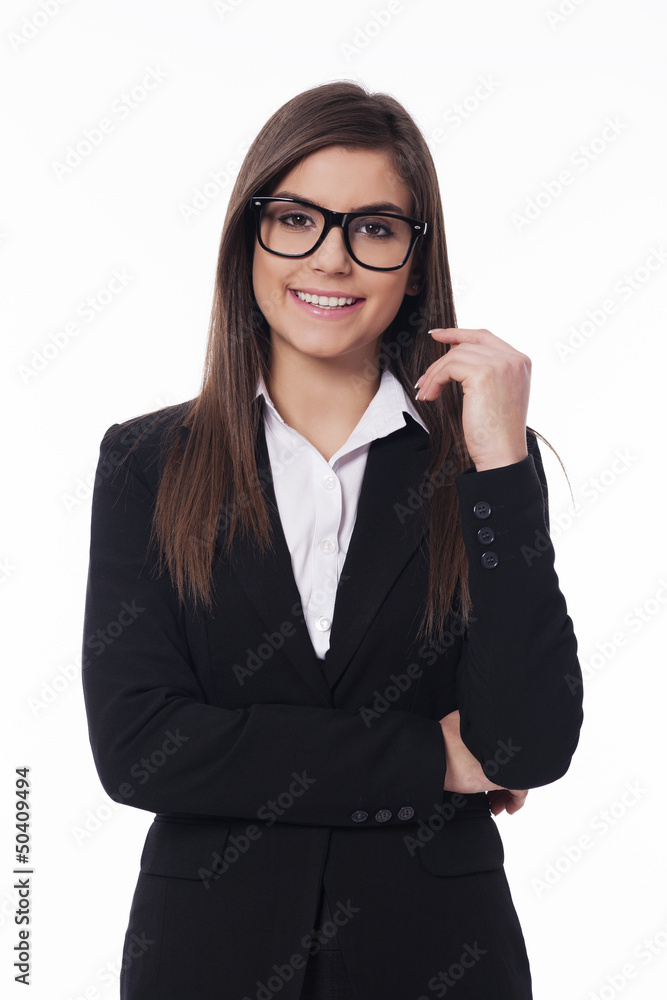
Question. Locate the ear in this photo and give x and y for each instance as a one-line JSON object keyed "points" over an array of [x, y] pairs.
{"points": [[415, 279], [415, 276]]}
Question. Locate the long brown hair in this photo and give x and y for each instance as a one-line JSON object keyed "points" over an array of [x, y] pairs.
{"points": [[214, 479]]}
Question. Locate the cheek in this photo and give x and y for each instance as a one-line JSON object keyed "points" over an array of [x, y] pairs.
{"points": [[271, 273], [264, 283], [391, 295], [258, 271]]}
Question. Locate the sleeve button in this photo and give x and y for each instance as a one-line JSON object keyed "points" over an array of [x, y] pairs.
{"points": [[406, 812], [359, 816], [486, 535], [482, 509], [382, 815]]}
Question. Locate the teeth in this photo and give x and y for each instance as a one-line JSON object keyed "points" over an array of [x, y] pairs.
{"points": [[325, 301]]}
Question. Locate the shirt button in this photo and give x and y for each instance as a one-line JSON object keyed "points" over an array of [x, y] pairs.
{"points": [[323, 623], [486, 535], [489, 560], [382, 815], [359, 816], [482, 509], [329, 482], [328, 546], [406, 812]]}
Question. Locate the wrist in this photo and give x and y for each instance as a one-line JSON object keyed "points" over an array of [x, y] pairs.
{"points": [[498, 461]]}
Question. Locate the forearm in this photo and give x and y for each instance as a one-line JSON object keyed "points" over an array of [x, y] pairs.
{"points": [[518, 679]]}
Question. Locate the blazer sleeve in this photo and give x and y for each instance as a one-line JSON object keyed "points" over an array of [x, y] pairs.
{"points": [[519, 682], [157, 741]]}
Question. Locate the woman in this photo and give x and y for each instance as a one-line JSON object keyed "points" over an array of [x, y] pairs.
{"points": [[324, 637]]}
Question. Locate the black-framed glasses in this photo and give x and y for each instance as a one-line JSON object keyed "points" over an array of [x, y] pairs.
{"points": [[380, 241]]}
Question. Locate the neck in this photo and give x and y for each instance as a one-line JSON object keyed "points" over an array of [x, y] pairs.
{"points": [[314, 392]]}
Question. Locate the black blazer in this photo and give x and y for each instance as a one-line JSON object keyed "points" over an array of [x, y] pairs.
{"points": [[269, 769]]}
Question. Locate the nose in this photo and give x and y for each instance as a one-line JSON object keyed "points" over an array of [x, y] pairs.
{"points": [[332, 253]]}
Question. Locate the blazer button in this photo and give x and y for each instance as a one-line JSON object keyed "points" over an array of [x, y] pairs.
{"points": [[489, 560], [486, 535], [406, 812], [482, 509], [382, 815], [359, 816]]}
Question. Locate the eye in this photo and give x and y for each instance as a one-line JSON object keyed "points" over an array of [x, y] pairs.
{"points": [[376, 229], [300, 217]]}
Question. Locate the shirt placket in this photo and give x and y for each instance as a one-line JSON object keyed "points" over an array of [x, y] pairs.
{"points": [[324, 553]]}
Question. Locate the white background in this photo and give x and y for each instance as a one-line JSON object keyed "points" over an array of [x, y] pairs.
{"points": [[552, 83]]}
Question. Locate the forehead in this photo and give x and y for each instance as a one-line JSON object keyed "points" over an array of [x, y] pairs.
{"points": [[342, 179]]}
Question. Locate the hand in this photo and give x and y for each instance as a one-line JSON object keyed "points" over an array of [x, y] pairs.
{"points": [[496, 384], [465, 775], [506, 798]]}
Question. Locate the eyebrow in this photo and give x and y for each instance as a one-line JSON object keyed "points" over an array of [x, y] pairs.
{"points": [[378, 206]]}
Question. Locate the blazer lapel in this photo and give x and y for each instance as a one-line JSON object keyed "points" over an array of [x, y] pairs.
{"points": [[386, 533], [388, 528]]}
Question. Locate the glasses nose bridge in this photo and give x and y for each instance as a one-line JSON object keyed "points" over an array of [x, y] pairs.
{"points": [[331, 220]]}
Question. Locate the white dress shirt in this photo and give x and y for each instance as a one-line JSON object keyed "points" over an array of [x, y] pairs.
{"points": [[317, 500]]}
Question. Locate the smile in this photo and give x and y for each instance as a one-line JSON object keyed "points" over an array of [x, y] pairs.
{"points": [[326, 307], [325, 301]]}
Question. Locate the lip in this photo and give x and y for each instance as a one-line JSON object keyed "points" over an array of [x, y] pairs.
{"points": [[328, 314]]}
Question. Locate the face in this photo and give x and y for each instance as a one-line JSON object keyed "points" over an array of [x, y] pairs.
{"points": [[342, 180]]}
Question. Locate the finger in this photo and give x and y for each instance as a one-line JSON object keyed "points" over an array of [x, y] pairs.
{"points": [[518, 801], [466, 351], [455, 334], [497, 800], [454, 369]]}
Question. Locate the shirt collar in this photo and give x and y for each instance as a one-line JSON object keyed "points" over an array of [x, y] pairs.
{"points": [[384, 414]]}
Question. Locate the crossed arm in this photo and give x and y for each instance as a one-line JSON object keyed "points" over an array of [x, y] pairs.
{"points": [[465, 774]]}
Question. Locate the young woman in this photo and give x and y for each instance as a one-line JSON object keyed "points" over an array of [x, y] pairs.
{"points": [[324, 638]]}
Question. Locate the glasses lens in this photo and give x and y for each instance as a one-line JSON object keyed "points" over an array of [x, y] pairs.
{"points": [[292, 228], [380, 240]]}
